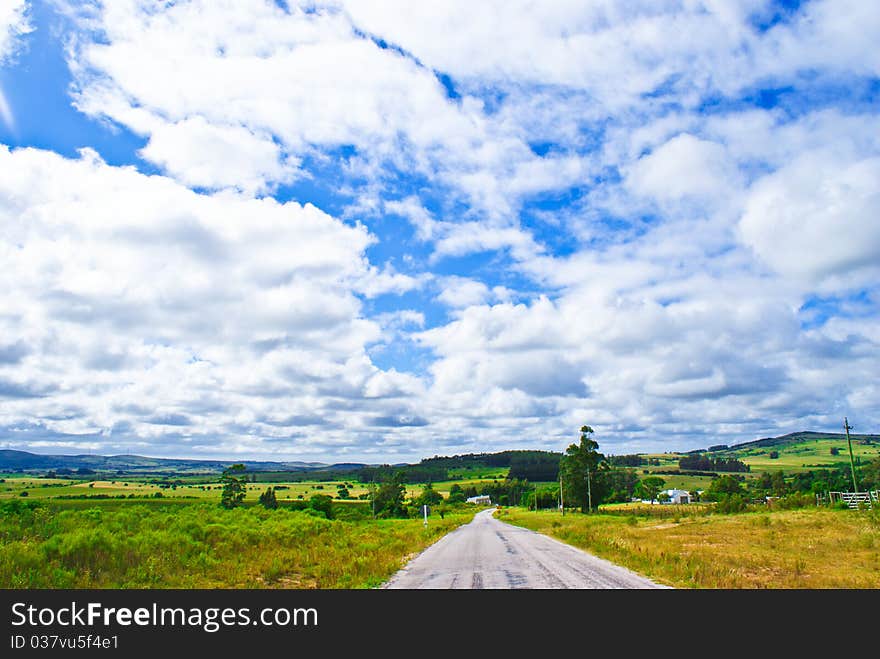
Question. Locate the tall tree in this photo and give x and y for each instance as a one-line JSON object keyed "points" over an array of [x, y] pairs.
{"points": [[428, 497], [649, 488], [584, 472], [388, 499], [234, 481], [268, 499]]}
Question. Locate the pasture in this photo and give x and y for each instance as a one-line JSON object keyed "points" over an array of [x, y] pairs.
{"points": [[692, 548], [60, 490]]}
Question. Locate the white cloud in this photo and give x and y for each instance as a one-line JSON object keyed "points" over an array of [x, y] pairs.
{"points": [[195, 78], [816, 219], [183, 318], [837, 36], [419, 217], [672, 237], [683, 167], [460, 292], [202, 155], [14, 23]]}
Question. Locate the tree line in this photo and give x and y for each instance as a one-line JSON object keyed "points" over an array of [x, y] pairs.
{"points": [[699, 462]]}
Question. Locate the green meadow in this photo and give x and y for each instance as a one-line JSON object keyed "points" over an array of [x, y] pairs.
{"points": [[180, 544], [793, 457], [694, 547], [60, 490]]}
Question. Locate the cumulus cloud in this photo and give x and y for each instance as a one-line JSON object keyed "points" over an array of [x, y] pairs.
{"points": [[816, 219], [205, 311], [551, 214], [210, 156], [460, 292], [262, 88], [683, 167]]}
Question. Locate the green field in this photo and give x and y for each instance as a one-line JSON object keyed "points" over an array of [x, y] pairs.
{"points": [[43, 488], [793, 457], [807, 455], [123, 544], [57, 489], [691, 548]]}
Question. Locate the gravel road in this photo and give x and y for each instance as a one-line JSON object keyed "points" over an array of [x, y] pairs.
{"points": [[488, 553]]}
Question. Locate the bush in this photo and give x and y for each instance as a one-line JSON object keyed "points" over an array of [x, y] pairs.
{"points": [[796, 500], [322, 503], [731, 503], [268, 499]]}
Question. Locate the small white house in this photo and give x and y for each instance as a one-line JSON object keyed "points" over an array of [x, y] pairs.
{"points": [[482, 499], [678, 496]]}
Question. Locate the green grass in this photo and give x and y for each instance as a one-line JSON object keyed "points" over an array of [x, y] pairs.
{"points": [[56, 489], [60, 490], [807, 455], [799, 456], [200, 545], [693, 548]]}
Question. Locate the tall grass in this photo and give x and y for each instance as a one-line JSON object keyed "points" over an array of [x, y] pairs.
{"points": [[806, 548], [202, 546]]}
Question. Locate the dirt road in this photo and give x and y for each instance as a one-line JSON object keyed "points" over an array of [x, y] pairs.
{"points": [[487, 553]]}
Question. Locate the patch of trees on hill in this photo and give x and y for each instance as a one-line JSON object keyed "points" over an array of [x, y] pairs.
{"points": [[701, 462], [634, 460], [403, 473], [524, 465], [534, 465], [500, 459]]}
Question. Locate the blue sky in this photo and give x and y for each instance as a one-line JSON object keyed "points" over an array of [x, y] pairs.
{"points": [[383, 230]]}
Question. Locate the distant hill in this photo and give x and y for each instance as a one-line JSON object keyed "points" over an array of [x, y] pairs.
{"points": [[12, 460], [791, 438], [533, 465]]}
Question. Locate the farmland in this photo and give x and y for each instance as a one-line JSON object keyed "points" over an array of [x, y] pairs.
{"points": [[791, 454], [60, 490], [130, 522], [689, 548]]}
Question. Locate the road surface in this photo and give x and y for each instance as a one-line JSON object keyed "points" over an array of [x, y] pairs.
{"points": [[487, 553]]}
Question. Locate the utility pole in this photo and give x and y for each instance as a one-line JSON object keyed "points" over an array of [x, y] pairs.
{"points": [[561, 500], [852, 463], [589, 493]]}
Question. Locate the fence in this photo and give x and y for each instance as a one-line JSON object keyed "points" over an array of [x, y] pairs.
{"points": [[856, 499]]}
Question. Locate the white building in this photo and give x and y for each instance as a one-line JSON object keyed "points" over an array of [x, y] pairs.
{"points": [[480, 499], [678, 496]]}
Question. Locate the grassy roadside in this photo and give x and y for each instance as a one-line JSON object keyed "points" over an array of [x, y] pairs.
{"points": [[806, 548], [203, 546]]}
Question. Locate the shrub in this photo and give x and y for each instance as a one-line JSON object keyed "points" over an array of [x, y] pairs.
{"points": [[731, 503], [322, 503], [796, 500], [268, 499]]}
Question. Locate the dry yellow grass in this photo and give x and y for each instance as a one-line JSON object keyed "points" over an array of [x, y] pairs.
{"points": [[807, 548]]}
